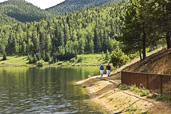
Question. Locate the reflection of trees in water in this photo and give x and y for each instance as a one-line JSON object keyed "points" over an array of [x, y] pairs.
{"points": [[39, 88]]}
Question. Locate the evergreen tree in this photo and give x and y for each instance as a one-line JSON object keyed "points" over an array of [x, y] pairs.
{"points": [[4, 56], [107, 55]]}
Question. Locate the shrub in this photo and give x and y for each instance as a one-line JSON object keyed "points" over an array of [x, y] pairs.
{"points": [[35, 59], [118, 58], [40, 63], [123, 87], [38, 55], [72, 60], [4, 56], [102, 54], [107, 57], [80, 59], [51, 60], [30, 58]]}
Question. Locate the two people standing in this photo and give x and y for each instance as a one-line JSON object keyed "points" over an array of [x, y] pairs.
{"points": [[108, 68]]}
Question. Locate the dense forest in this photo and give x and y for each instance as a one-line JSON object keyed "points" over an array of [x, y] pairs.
{"points": [[23, 11], [131, 26], [63, 37], [6, 20], [71, 5]]}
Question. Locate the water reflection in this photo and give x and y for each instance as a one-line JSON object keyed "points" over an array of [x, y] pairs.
{"points": [[44, 90]]}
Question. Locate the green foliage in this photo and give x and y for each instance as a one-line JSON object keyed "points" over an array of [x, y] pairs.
{"points": [[72, 60], [6, 20], [159, 97], [4, 56], [102, 54], [63, 37], [40, 63], [143, 26], [71, 5], [23, 11], [123, 87], [119, 58], [34, 59], [46, 57], [38, 55], [140, 91], [80, 59], [133, 56], [131, 109], [89, 76], [30, 59], [107, 57]]}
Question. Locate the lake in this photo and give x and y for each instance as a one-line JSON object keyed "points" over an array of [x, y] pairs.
{"points": [[45, 90]]}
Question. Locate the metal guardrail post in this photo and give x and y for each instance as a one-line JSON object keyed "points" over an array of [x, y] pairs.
{"points": [[147, 82], [161, 85]]}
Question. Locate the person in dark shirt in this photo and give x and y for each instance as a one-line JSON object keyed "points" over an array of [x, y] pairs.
{"points": [[101, 70], [108, 68]]}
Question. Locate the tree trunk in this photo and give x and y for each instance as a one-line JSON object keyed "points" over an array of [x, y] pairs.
{"points": [[140, 53], [168, 40], [144, 44]]}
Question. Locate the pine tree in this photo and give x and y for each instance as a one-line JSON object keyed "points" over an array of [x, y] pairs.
{"points": [[4, 56]]}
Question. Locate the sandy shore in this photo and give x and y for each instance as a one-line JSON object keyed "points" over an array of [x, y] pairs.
{"points": [[104, 92]]}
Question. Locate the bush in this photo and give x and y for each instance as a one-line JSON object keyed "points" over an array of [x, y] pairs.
{"points": [[51, 60], [35, 59], [123, 87], [102, 54], [40, 63], [72, 60], [4, 56], [118, 58], [80, 59], [30, 58], [38, 55], [107, 57]]}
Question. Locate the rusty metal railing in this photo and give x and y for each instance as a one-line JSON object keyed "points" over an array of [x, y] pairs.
{"points": [[158, 83]]}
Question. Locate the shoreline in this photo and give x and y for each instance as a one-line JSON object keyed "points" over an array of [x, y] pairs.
{"points": [[45, 65], [105, 94]]}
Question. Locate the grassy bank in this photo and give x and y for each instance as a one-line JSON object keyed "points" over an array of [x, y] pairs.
{"points": [[80, 60]]}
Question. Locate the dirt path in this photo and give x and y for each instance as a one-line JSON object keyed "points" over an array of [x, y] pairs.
{"points": [[104, 92]]}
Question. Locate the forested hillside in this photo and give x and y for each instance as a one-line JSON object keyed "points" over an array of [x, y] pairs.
{"points": [[6, 20], [63, 37], [132, 27], [71, 5], [23, 11]]}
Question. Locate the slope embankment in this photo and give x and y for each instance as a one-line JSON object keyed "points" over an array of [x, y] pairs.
{"points": [[104, 91], [158, 63]]}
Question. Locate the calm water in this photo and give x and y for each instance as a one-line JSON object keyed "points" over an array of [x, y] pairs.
{"points": [[45, 90]]}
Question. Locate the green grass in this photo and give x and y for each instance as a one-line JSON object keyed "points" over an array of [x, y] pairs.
{"points": [[90, 59], [160, 98], [80, 60], [145, 92], [134, 89], [14, 60]]}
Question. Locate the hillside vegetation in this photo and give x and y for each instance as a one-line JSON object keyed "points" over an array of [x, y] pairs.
{"points": [[91, 30], [23, 11], [6, 20], [71, 5]]}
